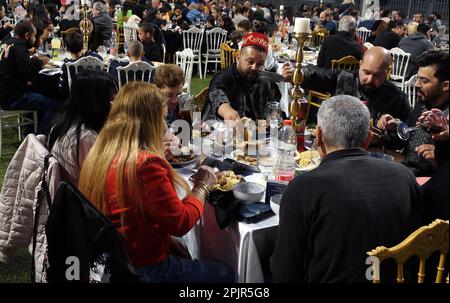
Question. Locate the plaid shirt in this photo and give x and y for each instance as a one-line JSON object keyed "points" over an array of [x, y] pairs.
{"points": [[193, 14]]}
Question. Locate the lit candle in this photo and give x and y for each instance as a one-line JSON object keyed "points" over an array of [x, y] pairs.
{"points": [[84, 2], [301, 25], [281, 8]]}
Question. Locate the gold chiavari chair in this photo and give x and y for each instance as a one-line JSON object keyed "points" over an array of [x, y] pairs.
{"points": [[227, 55], [318, 36], [348, 63], [422, 243]]}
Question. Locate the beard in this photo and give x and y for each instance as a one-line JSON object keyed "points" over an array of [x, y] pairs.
{"points": [[251, 76], [368, 88], [427, 99], [29, 43]]}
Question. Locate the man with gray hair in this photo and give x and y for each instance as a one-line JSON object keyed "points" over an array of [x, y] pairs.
{"points": [[332, 215], [102, 21], [342, 44]]}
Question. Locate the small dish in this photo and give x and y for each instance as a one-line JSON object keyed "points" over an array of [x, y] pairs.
{"points": [[275, 203], [249, 192]]}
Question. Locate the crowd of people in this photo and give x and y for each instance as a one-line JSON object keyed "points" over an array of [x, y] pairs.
{"points": [[113, 143]]}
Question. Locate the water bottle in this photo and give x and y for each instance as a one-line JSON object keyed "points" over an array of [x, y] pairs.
{"points": [[287, 145], [55, 46]]}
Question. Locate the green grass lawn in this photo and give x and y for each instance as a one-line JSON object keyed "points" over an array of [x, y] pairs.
{"points": [[19, 269]]}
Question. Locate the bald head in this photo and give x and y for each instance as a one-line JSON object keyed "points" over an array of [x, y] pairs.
{"points": [[347, 24], [374, 68], [377, 57]]}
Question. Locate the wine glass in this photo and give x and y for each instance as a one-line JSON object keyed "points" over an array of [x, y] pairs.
{"points": [[310, 141], [403, 131]]}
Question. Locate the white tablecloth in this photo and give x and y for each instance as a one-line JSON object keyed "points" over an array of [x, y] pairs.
{"points": [[233, 245]]}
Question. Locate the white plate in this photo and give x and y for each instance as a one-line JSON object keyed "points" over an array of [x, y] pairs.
{"points": [[50, 71]]}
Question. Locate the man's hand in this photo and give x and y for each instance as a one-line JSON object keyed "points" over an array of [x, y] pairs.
{"points": [[286, 71], [386, 121], [426, 151], [435, 117], [32, 51], [228, 113], [5, 52]]}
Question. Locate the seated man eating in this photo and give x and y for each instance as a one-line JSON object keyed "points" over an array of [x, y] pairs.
{"points": [[240, 91]]}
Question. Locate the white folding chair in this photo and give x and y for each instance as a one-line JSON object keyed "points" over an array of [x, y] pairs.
{"points": [[368, 45], [214, 38], [363, 33], [409, 88], [134, 69], [22, 120], [129, 34], [88, 62], [185, 60], [193, 38], [400, 60]]}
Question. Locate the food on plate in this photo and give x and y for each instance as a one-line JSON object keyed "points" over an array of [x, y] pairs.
{"points": [[186, 154], [308, 158], [246, 159], [226, 180]]}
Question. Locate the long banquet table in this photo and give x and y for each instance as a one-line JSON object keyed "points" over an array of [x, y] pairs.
{"points": [[245, 247]]}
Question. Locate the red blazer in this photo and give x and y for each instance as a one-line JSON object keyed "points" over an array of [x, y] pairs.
{"points": [[147, 238]]}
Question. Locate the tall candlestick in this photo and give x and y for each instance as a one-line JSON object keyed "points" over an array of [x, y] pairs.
{"points": [[301, 25]]}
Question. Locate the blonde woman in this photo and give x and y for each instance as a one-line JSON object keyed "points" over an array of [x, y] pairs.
{"points": [[127, 177]]}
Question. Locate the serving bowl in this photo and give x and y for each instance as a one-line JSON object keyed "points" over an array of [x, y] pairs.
{"points": [[249, 192]]}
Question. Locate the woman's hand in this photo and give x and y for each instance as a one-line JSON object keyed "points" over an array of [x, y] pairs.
{"points": [[170, 143], [204, 176]]}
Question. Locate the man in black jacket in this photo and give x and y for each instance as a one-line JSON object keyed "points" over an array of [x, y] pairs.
{"points": [[432, 87], [368, 84], [391, 36], [17, 69], [333, 215], [152, 47], [416, 44], [103, 22], [240, 91], [340, 45]]}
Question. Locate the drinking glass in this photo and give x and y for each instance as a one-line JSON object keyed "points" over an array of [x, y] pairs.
{"points": [[273, 112], [310, 141], [101, 50], [185, 103]]}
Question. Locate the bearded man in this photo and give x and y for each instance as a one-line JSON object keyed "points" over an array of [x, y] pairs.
{"points": [[432, 86], [369, 84], [239, 91]]}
